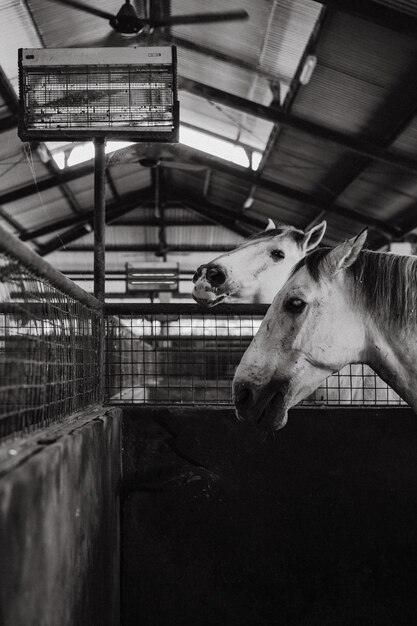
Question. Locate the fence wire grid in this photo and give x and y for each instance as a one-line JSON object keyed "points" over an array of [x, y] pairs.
{"points": [[189, 357], [48, 352]]}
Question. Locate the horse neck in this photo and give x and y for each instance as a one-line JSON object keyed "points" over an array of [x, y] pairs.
{"points": [[392, 353]]}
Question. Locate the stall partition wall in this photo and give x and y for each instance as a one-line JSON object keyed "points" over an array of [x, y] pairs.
{"points": [[59, 451]]}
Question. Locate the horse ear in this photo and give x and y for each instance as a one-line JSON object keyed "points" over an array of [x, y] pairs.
{"points": [[313, 236], [345, 254], [270, 225]]}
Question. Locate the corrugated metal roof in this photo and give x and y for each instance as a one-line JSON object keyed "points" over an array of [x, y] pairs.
{"points": [[16, 31], [130, 177], [360, 70], [371, 53], [339, 101], [220, 75], [282, 209], [289, 29], [39, 210], [83, 190], [382, 191], [225, 121], [17, 167], [243, 39], [182, 235], [302, 162], [406, 6], [406, 142], [62, 26], [171, 214]]}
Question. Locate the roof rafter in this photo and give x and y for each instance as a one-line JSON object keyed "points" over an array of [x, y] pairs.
{"points": [[217, 55], [276, 116], [113, 211], [196, 156], [7, 92], [251, 177], [155, 248]]}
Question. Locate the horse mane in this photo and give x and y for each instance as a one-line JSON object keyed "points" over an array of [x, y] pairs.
{"points": [[384, 283]]}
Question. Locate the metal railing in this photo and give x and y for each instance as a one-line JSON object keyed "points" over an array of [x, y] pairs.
{"points": [[182, 354], [50, 336]]}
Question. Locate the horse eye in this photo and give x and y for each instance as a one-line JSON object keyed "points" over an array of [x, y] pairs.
{"points": [[277, 255], [295, 305]]}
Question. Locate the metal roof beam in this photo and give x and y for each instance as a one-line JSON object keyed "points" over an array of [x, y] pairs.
{"points": [[250, 177], [156, 248], [8, 122], [9, 219], [86, 217], [8, 94], [209, 209], [219, 220], [217, 55], [277, 116], [394, 117], [42, 184], [80, 229]]}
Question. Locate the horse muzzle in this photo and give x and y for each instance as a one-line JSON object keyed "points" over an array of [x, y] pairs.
{"points": [[205, 296], [265, 407]]}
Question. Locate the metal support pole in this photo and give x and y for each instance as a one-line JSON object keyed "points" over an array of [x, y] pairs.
{"points": [[100, 250], [99, 218]]}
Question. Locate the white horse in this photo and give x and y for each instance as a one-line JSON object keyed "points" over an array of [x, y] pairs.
{"points": [[256, 270], [339, 306]]}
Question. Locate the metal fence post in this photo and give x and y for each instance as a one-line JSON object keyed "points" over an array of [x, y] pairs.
{"points": [[100, 247]]}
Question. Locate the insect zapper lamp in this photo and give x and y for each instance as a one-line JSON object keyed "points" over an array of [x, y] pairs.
{"points": [[79, 94]]}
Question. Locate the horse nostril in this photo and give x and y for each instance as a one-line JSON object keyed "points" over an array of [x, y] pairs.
{"points": [[242, 394], [215, 275], [198, 273]]}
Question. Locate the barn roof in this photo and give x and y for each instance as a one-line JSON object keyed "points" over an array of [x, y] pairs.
{"points": [[340, 146]]}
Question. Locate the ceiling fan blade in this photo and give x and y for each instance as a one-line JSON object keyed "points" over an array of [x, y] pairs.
{"points": [[178, 165], [87, 8], [198, 18]]}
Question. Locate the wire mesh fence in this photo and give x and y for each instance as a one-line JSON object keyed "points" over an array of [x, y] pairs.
{"points": [[180, 354], [49, 345]]}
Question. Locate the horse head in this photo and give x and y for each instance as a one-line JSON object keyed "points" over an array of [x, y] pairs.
{"points": [[311, 330], [257, 269]]}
